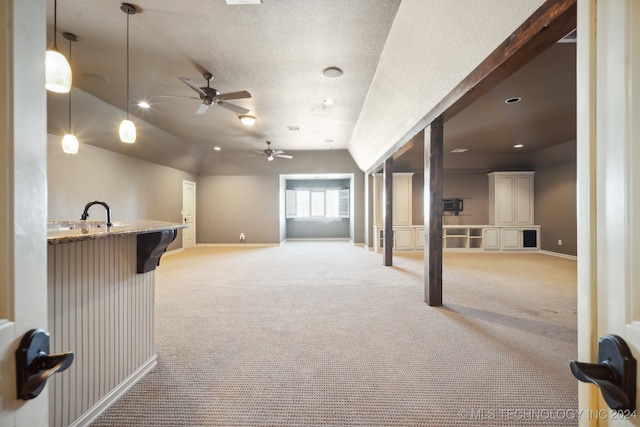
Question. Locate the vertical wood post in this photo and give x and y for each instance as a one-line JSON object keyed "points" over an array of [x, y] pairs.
{"points": [[433, 175], [388, 212]]}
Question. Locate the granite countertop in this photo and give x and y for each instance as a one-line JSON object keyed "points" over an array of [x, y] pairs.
{"points": [[77, 230]]}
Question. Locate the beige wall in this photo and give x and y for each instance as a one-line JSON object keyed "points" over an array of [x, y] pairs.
{"points": [[133, 188], [238, 193], [555, 208]]}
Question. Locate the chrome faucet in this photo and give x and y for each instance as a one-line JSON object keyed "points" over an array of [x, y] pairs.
{"points": [[85, 213]]}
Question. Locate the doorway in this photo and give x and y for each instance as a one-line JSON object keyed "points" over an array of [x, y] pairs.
{"points": [[189, 214]]}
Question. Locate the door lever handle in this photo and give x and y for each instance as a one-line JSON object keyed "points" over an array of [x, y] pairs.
{"points": [[35, 365], [614, 374]]}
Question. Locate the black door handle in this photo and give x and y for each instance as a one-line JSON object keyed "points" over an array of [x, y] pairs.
{"points": [[34, 364], [614, 374]]}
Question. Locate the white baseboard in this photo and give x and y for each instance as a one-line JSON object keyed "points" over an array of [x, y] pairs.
{"points": [[110, 398], [237, 244], [318, 239], [558, 254]]}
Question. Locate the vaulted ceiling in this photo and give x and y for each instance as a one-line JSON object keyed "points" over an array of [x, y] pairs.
{"points": [[399, 59]]}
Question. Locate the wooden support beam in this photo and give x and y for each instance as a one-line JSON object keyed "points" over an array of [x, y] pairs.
{"points": [[433, 177], [388, 212]]}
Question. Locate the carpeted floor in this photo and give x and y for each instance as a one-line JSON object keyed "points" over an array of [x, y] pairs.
{"points": [[321, 334]]}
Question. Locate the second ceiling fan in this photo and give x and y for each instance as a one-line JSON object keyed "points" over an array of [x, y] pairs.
{"points": [[271, 154]]}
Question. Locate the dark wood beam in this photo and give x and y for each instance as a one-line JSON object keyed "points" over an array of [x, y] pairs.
{"points": [[552, 21], [433, 173], [388, 212]]}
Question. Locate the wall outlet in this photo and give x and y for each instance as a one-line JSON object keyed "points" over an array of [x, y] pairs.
{"points": [[559, 242]]}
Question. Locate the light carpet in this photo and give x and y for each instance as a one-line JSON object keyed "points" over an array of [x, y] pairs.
{"points": [[322, 334]]}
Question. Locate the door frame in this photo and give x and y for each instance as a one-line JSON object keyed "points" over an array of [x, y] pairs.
{"points": [[23, 192]]}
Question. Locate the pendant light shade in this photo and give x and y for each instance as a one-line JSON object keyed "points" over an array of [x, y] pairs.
{"points": [[58, 72], [70, 144], [127, 128], [57, 69], [127, 131]]}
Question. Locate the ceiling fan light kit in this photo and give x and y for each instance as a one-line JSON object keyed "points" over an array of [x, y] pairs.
{"points": [[57, 70], [127, 127], [247, 120]]}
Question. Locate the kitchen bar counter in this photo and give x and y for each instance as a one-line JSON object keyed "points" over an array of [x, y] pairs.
{"points": [[101, 292], [77, 230]]}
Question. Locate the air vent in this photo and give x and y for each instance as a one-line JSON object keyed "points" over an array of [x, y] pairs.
{"points": [[293, 128], [234, 2]]}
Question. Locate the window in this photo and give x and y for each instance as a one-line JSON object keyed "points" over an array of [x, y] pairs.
{"points": [[317, 203]]}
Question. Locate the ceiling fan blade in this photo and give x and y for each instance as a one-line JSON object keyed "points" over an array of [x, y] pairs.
{"points": [[232, 107], [203, 108], [234, 95], [278, 152], [192, 85], [283, 156]]}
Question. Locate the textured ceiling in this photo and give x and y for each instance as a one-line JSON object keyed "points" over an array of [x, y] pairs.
{"points": [[399, 59], [275, 50]]}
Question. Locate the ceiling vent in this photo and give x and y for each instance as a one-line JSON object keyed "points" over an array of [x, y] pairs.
{"points": [[234, 2], [293, 128]]}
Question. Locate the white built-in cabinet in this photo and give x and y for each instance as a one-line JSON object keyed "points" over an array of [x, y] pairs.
{"points": [[511, 198], [510, 228], [405, 235], [402, 199]]}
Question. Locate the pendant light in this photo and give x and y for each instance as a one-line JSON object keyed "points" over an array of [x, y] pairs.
{"points": [[57, 69], [70, 142], [127, 128]]}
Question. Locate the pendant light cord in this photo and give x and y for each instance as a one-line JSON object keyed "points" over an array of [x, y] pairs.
{"points": [[55, 24], [127, 66], [70, 91]]}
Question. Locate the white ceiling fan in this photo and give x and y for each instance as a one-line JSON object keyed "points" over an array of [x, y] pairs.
{"points": [[271, 154]]}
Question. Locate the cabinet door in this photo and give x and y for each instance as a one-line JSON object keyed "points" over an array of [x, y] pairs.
{"points": [[511, 238], [491, 238], [504, 200], [523, 200], [404, 238], [402, 200]]}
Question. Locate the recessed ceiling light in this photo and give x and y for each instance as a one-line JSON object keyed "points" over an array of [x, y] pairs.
{"points": [[217, 148], [512, 100], [329, 102], [518, 146], [144, 104], [332, 72], [459, 150]]}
